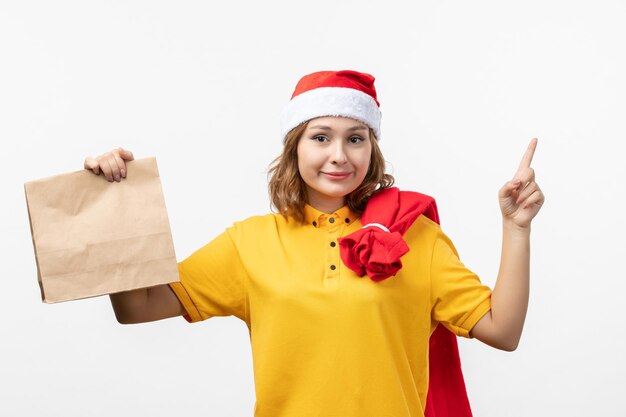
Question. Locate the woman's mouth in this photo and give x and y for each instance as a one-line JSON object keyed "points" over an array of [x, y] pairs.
{"points": [[337, 175]]}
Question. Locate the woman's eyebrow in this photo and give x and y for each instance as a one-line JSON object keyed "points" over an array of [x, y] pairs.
{"points": [[353, 128]]}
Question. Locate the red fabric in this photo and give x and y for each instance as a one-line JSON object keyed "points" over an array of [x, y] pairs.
{"points": [[347, 79], [377, 253]]}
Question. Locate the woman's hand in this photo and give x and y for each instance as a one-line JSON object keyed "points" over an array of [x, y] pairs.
{"points": [[521, 198], [112, 164], [520, 201]]}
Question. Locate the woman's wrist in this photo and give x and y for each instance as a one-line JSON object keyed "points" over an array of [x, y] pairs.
{"points": [[509, 226]]}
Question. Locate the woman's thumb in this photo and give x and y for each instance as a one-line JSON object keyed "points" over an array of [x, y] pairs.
{"points": [[92, 164], [509, 188]]}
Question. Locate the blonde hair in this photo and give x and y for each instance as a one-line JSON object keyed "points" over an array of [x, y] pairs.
{"points": [[287, 189]]}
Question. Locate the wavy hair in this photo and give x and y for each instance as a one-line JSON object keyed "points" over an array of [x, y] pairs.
{"points": [[287, 189]]}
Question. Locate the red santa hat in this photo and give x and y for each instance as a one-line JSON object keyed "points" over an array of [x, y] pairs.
{"points": [[333, 93]]}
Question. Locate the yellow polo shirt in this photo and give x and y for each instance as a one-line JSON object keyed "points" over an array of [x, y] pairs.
{"points": [[325, 342]]}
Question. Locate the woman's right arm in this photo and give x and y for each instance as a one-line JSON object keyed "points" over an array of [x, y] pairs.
{"points": [[144, 304]]}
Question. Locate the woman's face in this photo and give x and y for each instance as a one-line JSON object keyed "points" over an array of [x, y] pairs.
{"points": [[333, 159]]}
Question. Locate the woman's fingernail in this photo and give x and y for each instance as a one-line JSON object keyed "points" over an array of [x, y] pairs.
{"points": [[117, 178], [123, 172]]}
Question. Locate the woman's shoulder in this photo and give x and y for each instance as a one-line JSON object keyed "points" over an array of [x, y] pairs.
{"points": [[424, 231], [260, 228], [257, 220], [261, 223], [425, 222]]}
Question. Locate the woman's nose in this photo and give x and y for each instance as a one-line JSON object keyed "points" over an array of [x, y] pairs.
{"points": [[339, 154]]}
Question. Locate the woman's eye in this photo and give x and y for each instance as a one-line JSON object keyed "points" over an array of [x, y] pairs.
{"points": [[356, 139], [319, 138]]}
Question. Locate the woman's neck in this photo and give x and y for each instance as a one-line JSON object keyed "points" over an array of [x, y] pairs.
{"points": [[327, 205]]}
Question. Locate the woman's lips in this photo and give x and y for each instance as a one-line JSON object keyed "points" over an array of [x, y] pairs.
{"points": [[337, 175]]}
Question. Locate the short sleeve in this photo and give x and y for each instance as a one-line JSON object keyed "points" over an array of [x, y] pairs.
{"points": [[213, 281], [458, 298]]}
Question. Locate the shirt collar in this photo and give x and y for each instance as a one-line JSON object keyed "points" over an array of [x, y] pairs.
{"points": [[340, 216]]}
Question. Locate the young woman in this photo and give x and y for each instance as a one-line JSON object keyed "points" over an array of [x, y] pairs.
{"points": [[327, 341]]}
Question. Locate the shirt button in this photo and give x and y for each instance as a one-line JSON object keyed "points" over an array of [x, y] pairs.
{"points": [[333, 244], [315, 223], [332, 220], [333, 267], [347, 220]]}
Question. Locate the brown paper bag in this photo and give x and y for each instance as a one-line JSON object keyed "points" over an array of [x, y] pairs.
{"points": [[93, 237]]}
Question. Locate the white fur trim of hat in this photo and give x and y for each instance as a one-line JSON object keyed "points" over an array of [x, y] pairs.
{"points": [[333, 93]]}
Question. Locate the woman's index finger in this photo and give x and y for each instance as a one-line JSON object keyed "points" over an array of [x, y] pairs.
{"points": [[528, 156]]}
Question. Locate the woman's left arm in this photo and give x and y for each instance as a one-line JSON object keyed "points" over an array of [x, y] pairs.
{"points": [[520, 201]]}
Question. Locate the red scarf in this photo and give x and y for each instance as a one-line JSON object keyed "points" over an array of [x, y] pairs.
{"points": [[376, 250]]}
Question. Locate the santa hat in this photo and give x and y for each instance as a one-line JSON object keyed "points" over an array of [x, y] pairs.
{"points": [[333, 93]]}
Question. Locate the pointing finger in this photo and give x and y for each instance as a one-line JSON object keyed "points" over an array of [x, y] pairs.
{"points": [[528, 157]]}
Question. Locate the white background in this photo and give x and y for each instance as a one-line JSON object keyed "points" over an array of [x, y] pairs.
{"points": [[463, 88]]}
